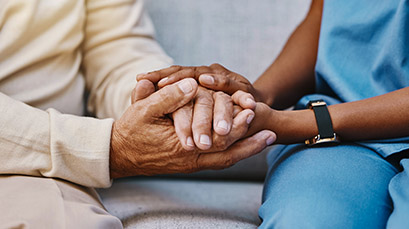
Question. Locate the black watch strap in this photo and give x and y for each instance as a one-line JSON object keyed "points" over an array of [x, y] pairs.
{"points": [[324, 123]]}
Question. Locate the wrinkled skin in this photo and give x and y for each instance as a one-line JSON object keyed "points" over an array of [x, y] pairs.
{"points": [[144, 140]]}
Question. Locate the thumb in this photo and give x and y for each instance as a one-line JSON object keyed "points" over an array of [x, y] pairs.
{"points": [[170, 98], [143, 89]]}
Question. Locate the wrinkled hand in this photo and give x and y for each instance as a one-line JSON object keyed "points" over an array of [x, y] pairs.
{"points": [[193, 122], [196, 118], [215, 77], [144, 140]]}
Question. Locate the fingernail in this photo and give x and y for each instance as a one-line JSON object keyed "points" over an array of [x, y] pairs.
{"points": [[207, 79], [185, 86], [189, 141], [223, 125], [250, 118], [163, 81], [204, 140], [270, 140]]}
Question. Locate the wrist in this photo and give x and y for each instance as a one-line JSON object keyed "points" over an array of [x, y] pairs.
{"points": [[116, 162], [293, 126], [261, 96]]}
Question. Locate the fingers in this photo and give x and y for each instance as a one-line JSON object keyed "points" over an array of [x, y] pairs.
{"points": [[155, 76], [202, 119], [169, 98], [227, 129], [236, 110], [239, 129], [174, 77], [174, 74], [143, 89], [239, 151], [263, 117], [215, 77], [245, 100], [222, 113], [185, 72], [222, 82], [182, 119]]}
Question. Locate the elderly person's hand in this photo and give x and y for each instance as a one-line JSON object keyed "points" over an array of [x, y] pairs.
{"points": [[207, 107], [144, 140], [196, 118]]}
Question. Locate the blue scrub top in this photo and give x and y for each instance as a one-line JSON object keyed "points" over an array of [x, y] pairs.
{"points": [[363, 52]]}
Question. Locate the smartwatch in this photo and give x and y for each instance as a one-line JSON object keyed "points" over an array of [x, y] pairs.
{"points": [[325, 130]]}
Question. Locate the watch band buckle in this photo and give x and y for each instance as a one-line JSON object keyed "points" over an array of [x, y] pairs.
{"points": [[318, 140]]}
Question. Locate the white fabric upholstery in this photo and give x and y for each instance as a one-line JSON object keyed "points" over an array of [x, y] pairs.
{"points": [[160, 203]]}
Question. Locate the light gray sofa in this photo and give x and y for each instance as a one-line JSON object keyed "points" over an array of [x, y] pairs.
{"points": [[245, 36]]}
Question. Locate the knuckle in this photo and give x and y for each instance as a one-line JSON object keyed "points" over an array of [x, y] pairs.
{"points": [[224, 82], [204, 104], [219, 95], [241, 92], [190, 71], [226, 98], [215, 65], [204, 99], [143, 110], [176, 67], [229, 161], [154, 74], [201, 70], [195, 71], [220, 143], [201, 125]]}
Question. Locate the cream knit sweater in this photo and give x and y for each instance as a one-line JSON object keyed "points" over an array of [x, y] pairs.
{"points": [[50, 51]]}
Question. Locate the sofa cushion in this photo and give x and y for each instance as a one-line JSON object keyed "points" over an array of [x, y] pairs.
{"points": [[172, 203]]}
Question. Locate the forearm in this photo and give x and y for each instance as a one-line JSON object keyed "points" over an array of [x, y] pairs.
{"points": [[292, 74], [50, 144], [381, 117], [115, 52]]}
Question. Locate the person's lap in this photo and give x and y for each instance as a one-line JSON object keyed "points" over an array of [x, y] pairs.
{"points": [[344, 186], [399, 191], [35, 202]]}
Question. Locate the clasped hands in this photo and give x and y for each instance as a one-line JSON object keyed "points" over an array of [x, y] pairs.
{"points": [[176, 126]]}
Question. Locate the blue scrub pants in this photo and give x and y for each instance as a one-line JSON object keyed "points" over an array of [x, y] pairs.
{"points": [[344, 186]]}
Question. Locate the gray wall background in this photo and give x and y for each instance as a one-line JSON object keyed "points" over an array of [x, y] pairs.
{"points": [[243, 35]]}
